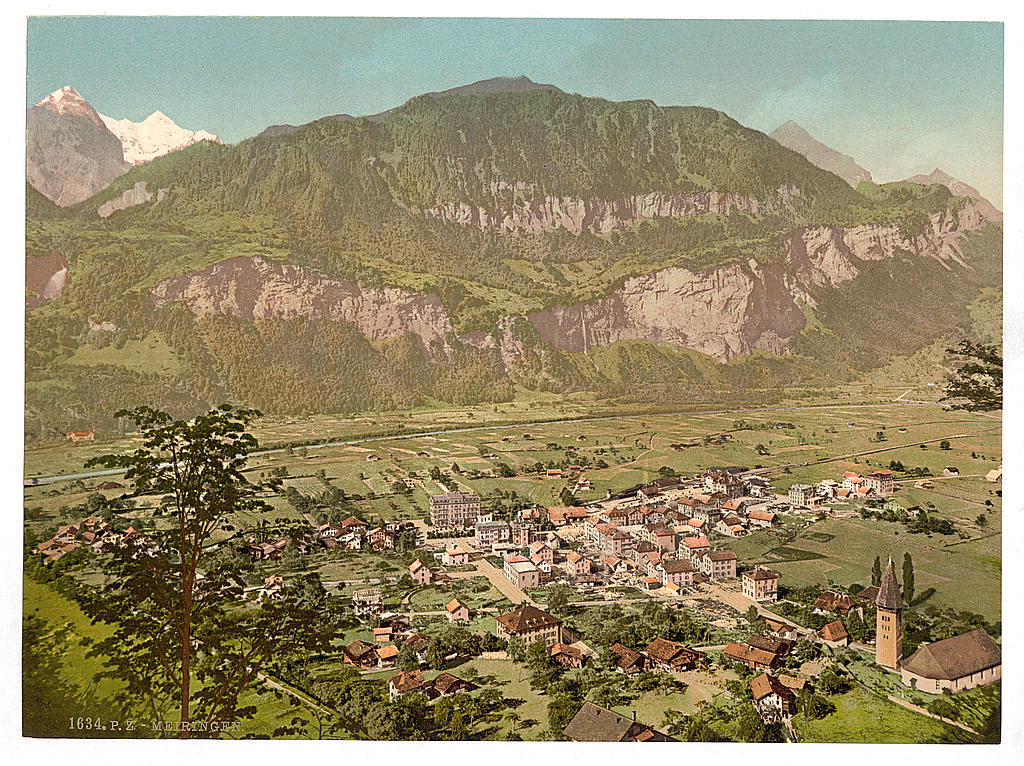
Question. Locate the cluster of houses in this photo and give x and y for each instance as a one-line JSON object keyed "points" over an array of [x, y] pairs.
{"points": [[352, 534], [92, 532], [850, 486], [658, 535]]}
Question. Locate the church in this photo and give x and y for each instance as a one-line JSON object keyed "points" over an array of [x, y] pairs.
{"points": [[955, 664]]}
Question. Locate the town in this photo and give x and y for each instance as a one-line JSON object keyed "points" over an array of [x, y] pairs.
{"points": [[446, 603]]}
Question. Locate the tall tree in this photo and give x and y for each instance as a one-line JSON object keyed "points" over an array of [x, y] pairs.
{"points": [[976, 384], [908, 577], [183, 635], [876, 572]]}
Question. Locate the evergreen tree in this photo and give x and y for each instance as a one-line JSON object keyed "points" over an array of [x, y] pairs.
{"points": [[908, 578], [876, 572]]}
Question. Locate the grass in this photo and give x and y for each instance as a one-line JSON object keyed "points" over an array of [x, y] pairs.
{"points": [[863, 717]]}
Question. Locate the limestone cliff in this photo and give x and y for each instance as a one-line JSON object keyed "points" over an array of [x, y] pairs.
{"points": [[251, 288], [136, 195]]}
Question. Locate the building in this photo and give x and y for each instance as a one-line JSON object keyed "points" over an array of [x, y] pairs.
{"points": [[832, 601], [446, 684], [577, 564], [597, 724], [668, 655], [455, 556], [774, 700], [781, 629], [360, 654], [761, 585], [529, 624], [457, 611], [368, 602], [717, 565], [567, 656], [420, 574], [881, 481], [490, 533], [406, 683], [889, 621], [693, 546], [627, 660], [522, 533], [678, 572], [800, 494], [82, 436], [950, 471], [954, 664], [834, 634], [752, 657], [522, 572], [455, 509], [543, 551]]}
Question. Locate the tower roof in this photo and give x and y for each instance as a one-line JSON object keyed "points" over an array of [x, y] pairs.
{"points": [[889, 594]]}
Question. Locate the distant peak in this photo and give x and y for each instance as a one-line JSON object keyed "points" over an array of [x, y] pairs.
{"points": [[158, 117], [62, 95], [67, 100]]}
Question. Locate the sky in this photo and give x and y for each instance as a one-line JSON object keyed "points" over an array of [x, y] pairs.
{"points": [[899, 97]]}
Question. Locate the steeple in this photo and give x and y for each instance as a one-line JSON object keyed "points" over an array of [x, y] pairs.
{"points": [[889, 621], [889, 594]]}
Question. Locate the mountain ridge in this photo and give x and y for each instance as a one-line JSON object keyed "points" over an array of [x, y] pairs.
{"points": [[793, 136]]}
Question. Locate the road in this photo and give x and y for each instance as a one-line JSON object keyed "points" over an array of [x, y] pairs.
{"points": [[597, 418], [888, 448]]}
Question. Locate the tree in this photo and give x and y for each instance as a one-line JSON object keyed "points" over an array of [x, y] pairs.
{"points": [[944, 444], [760, 449], [876, 572], [879, 436], [977, 384], [407, 659], [981, 520], [558, 599], [561, 710], [814, 705], [179, 635], [908, 577], [831, 681]]}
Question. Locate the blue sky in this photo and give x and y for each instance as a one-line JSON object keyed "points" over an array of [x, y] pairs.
{"points": [[900, 97]]}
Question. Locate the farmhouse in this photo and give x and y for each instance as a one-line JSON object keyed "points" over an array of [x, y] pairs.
{"points": [[627, 660], [774, 700], [834, 634], [668, 655], [598, 724], [755, 659], [957, 663]]}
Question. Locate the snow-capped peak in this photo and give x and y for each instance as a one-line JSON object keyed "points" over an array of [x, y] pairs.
{"points": [[66, 100], [154, 137]]}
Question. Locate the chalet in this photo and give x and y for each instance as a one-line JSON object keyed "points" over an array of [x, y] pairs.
{"points": [[529, 624], [446, 684], [352, 523], [406, 683], [834, 634], [330, 531], [650, 583], [954, 664], [996, 474], [457, 611], [360, 654], [773, 644], [388, 656], [109, 485], [627, 660], [781, 629], [950, 471], [553, 473], [676, 572], [383, 635], [597, 724], [774, 700], [418, 642], [868, 595], [420, 573], [731, 526], [567, 656], [82, 436], [753, 658], [668, 655], [761, 584], [380, 539], [273, 588], [832, 602]]}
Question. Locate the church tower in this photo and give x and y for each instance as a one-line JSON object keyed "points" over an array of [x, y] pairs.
{"points": [[889, 621]]}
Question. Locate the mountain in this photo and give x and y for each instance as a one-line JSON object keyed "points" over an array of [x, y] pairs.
{"points": [[70, 153], [792, 136], [473, 243], [521, 84], [154, 137], [959, 189]]}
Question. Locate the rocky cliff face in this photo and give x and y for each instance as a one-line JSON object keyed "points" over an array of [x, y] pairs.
{"points": [[595, 216], [45, 277], [137, 195], [70, 154], [251, 288], [732, 310], [959, 189]]}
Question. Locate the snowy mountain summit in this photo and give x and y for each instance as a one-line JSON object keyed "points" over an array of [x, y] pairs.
{"points": [[154, 137]]}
